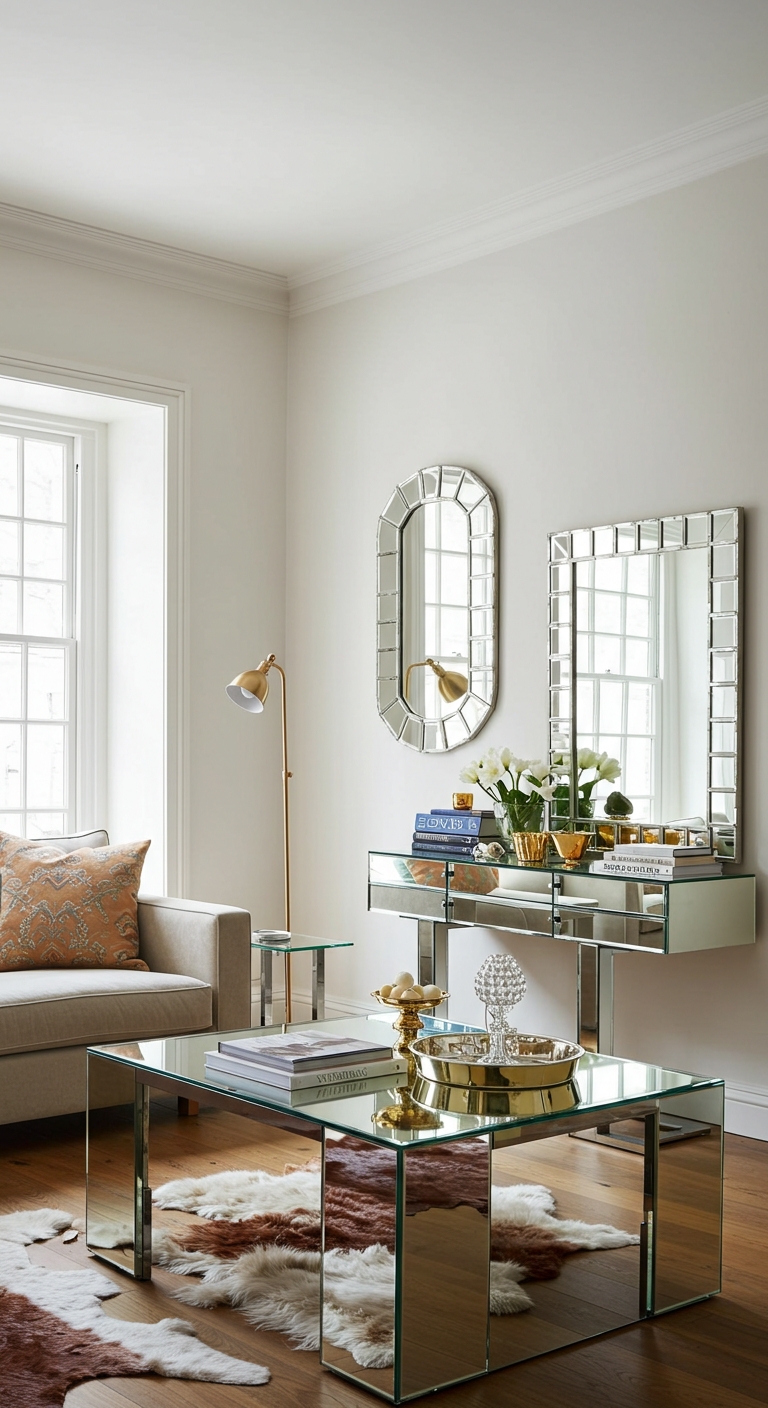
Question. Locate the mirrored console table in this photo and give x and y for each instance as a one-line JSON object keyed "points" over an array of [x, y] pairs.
{"points": [[603, 914]]}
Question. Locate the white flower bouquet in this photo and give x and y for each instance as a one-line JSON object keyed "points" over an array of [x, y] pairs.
{"points": [[603, 769], [518, 788]]}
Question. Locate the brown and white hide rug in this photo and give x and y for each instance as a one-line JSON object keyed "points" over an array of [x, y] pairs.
{"points": [[259, 1247], [54, 1332]]}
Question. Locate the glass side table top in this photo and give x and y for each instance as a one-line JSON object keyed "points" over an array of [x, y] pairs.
{"points": [[279, 941], [603, 1083]]}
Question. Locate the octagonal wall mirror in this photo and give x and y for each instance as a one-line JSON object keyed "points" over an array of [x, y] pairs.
{"points": [[437, 609]]}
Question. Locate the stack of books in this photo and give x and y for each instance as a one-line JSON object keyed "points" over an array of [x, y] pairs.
{"points": [[301, 1068], [452, 834], [648, 861]]}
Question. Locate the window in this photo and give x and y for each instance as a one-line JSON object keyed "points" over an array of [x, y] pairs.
{"points": [[619, 684], [38, 666], [446, 598]]}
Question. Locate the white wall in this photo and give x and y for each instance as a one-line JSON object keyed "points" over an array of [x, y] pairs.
{"points": [[613, 370], [233, 360]]}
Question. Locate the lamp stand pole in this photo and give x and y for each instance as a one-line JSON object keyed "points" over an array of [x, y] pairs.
{"points": [[286, 839]]}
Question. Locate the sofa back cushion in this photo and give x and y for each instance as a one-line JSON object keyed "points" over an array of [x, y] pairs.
{"points": [[75, 909]]}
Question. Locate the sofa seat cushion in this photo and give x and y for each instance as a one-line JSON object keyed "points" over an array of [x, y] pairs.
{"points": [[42, 1008]]}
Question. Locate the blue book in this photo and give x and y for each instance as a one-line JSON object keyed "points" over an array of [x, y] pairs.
{"points": [[451, 811], [457, 852], [452, 824]]}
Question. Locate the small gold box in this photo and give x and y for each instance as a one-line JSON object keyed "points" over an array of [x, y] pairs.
{"points": [[462, 801]]}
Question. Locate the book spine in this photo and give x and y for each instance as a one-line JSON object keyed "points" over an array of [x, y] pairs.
{"points": [[426, 838], [317, 1094], [307, 1080], [451, 811], [651, 852], [663, 872], [456, 825], [424, 848]]}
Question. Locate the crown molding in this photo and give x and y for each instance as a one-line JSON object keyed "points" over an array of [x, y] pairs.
{"points": [[688, 154], [56, 238]]}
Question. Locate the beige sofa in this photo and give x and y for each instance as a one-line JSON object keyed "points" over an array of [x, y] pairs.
{"points": [[200, 961]]}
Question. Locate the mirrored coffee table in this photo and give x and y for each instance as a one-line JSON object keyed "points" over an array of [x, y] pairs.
{"points": [[434, 1195]]}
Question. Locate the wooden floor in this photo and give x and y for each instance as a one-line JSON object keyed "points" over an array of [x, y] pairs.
{"points": [[713, 1355]]}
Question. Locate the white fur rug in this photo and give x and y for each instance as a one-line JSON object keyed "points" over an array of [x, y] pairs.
{"points": [[278, 1288], [64, 1310]]}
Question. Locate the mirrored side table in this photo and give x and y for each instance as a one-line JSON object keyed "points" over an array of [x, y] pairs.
{"points": [[270, 941]]}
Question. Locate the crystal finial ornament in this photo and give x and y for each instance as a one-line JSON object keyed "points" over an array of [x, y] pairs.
{"points": [[500, 984]]}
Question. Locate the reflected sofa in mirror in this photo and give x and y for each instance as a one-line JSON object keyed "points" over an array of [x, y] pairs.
{"points": [[645, 630], [437, 591]]}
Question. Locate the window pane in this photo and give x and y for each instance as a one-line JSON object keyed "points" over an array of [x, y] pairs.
{"points": [[637, 616], [9, 474], [10, 681], [607, 612], [637, 657], [585, 704], [9, 607], [640, 709], [454, 526], [638, 778], [43, 824], [455, 580], [11, 821], [9, 548], [607, 655], [46, 679], [44, 480], [454, 625], [10, 765], [43, 550], [43, 609], [608, 574], [638, 575], [45, 765], [611, 706]]}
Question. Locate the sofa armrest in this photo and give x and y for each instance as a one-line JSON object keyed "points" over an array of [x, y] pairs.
{"points": [[207, 941]]}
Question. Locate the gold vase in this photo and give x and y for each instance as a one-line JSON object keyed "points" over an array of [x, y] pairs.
{"points": [[531, 846], [571, 846]]}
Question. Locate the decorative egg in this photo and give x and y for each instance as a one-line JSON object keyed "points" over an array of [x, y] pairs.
{"points": [[404, 979], [431, 993], [385, 989], [396, 992], [418, 989], [409, 995]]}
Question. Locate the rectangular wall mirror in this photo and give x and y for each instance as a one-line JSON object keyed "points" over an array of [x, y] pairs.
{"points": [[645, 664]]}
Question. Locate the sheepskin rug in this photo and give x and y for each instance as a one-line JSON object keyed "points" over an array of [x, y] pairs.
{"points": [[54, 1332], [258, 1248]]}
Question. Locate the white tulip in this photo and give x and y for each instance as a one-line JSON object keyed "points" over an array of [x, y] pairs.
{"points": [[489, 768], [538, 770], [547, 791], [609, 770], [469, 773], [506, 755], [586, 758]]}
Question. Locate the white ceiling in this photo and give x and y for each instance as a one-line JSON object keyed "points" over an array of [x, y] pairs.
{"points": [[287, 134]]}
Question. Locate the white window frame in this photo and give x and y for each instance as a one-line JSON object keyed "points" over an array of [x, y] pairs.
{"points": [[85, 608]]}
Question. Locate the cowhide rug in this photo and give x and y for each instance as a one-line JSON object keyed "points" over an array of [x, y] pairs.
{"points": [[259, 1247], [55, 1334]]}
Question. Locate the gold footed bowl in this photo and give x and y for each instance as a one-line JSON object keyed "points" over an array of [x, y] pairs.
{"points": [[531, 846], [408, 1023]]}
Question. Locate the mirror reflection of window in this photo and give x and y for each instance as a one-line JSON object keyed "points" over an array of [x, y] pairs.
{"points": [[435, 601], [642, 652]]}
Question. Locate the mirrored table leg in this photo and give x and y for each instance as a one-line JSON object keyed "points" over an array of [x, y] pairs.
{"points": [[265, 986], [318, 985]]}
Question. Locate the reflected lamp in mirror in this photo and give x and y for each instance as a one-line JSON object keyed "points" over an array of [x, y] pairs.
{"points": [[437, 591], [645, 632]]}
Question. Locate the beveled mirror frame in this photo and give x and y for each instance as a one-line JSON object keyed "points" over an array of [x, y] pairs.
{"points": [[721, 532], [439, 482]]}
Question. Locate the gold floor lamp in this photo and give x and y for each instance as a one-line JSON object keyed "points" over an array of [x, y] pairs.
{"points": [[249, 691], [450, 683]]}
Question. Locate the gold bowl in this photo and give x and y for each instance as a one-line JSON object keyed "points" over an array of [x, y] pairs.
{"points": [[571, 845], [531, 846], [458, 1059], [408, 1023]]}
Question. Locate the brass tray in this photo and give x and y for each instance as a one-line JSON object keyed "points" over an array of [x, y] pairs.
{"points": [[472, 1100], [455, 1059]]}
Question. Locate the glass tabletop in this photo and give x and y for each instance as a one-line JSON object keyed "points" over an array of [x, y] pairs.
{"points": [[602, 1083], [280, 941], [397, 868]]}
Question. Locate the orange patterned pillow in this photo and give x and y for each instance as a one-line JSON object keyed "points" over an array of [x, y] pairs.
{"points": [[69, 910]]}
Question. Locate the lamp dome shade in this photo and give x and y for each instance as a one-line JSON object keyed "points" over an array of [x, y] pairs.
{"points": [[249, 691], [452, 685]]}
